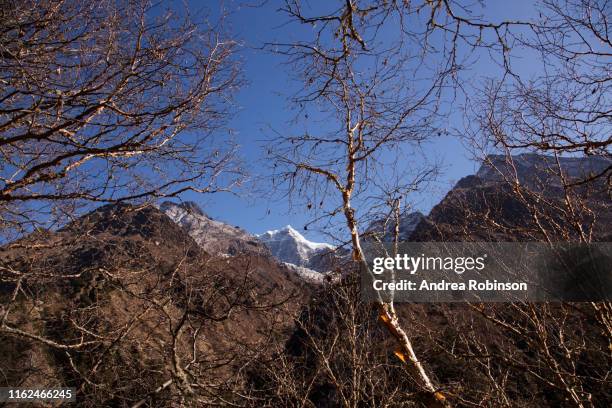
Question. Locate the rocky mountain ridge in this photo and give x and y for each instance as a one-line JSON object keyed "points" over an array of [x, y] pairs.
{"points": [[483, 206], [213, 236], [116, 284], [538, 170]]}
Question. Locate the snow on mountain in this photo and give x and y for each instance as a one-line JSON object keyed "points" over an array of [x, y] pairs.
{"points": [[290, 246], [306, 259], [214, 236], [306, 274]]}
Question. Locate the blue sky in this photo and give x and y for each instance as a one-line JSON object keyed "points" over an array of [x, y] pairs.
{"points": [[263, 104]]}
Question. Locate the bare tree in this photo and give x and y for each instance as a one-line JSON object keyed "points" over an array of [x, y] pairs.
{"points": [[565, 108], [108, 101], [376, 97], [565, 111]]}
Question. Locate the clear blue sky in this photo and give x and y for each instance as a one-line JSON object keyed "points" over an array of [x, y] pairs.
{"points": [[262, 103]]}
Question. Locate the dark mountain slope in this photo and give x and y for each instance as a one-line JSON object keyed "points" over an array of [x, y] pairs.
{"points": [[123, 301], [488, 206]]}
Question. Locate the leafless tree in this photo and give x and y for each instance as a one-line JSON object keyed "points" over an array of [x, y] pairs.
{"points": [[375, 77], [108, 101], [565, 108]]}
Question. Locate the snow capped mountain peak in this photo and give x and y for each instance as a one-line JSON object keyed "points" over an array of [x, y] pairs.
{"points": [[288, 245], [289, 231]]}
